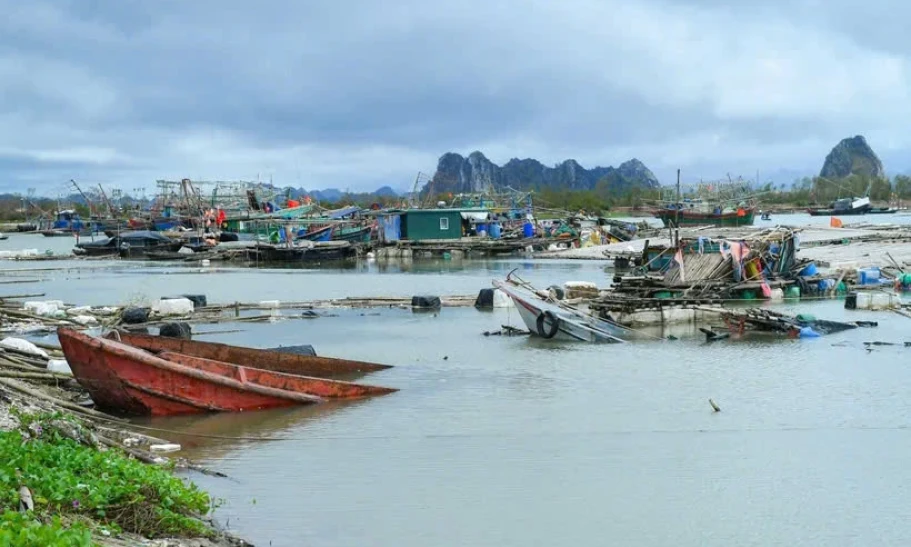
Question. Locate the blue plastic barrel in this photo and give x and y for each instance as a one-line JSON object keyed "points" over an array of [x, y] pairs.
{"points": [[480, 228], [809, 270], [494, 230], [528, 230]]}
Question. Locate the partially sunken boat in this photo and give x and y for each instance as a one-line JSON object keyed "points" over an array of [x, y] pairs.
{"points": [[129, 379], [548, 319]]}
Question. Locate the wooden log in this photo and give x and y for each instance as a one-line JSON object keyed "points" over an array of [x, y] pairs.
{"points": [[18, 366], [25, 315], [46, 376], [48, 347], [22, 388]]}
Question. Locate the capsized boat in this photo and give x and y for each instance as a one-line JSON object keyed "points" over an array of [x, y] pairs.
{"points": [[547, 319], [130, 380], [758, 320]]}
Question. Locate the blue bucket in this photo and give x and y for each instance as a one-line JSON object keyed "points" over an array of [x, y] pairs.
{"points": [[528, 230]]}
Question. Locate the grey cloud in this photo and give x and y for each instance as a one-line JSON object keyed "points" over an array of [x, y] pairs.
{"points": [[359, 94]]}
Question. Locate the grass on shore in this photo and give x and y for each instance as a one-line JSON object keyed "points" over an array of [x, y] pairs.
{"points": [[78, 489]]}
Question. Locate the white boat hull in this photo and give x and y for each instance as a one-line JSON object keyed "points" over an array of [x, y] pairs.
{"points": [[551, 321]]}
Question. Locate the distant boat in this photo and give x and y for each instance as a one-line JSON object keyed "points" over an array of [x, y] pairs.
{"points": [[843, 207], [710, 204], [335, 250], [882, 211], [3, 237], [128, 245], [702, 213]]}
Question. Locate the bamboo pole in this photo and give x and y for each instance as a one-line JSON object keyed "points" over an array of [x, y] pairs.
{"points": [[20, 387]]}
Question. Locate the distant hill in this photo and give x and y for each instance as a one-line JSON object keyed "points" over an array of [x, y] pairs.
{"points": [[386, 192], [852, 156], [476, 173], [331, 195]]}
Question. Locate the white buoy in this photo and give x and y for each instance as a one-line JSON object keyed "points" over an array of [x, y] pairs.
{"points": [[206, 262]]}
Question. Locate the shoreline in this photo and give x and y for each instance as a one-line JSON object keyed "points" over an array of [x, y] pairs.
{"points": [[73, 468]]}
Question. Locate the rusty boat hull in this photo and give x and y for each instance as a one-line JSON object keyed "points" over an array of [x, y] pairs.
{"points": [[130, 380], [276, 361]]}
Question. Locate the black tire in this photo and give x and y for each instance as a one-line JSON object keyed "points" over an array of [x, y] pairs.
{"points": [[554, 325]]}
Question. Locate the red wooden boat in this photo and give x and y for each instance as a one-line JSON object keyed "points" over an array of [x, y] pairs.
{"points": [[276, 361], [130, 380]]}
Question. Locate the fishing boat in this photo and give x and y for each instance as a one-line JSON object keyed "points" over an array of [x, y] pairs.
{"points": [[128, 245], [697, 212], [3, 237], [321, 234], [548, 319], [128, 379], [709, 204], [882, 211], [314, 252], [843, 207], [357, 234]]}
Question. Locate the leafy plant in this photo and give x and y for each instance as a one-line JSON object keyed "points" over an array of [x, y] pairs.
{"points": [[23, 530], [68, 478]]}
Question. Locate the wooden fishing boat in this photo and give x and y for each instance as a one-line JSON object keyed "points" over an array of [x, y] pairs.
{"points": [[129, 380], [683, 216], [322, 234], [128, 245], [354, 235], [276, 361], [550, 320], [315, 252]]}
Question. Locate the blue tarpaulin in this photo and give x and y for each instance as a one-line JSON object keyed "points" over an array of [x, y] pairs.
{"points": [[392, 227]]}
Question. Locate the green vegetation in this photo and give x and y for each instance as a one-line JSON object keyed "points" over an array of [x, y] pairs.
{"points": [[23, 530], [820, 190], [89, 487], [609, 193]]}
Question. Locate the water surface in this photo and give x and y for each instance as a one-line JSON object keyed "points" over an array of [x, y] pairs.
{"points": [[516, 441]]}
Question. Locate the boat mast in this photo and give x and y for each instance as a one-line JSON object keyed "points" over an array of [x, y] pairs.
{"points": [[88, 202], [676, 235]]}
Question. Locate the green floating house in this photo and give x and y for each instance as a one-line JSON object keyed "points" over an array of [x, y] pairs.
{"points": [[428, 224]]}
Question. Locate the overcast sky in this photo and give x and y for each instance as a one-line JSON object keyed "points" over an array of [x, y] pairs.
{"points": [[356, 94]]}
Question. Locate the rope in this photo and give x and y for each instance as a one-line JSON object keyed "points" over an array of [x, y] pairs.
{"points": [[185, 434]]}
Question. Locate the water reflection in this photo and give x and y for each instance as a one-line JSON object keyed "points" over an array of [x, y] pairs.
{"points": [[216, 435]]}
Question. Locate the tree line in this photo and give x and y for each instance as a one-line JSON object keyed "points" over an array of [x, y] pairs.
{"points": [[604, 198]]}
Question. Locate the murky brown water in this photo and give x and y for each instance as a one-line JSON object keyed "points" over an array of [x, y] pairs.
{"points": [[513, 441]]}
